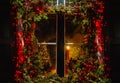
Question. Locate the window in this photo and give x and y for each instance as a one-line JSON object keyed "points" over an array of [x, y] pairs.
{"points": [[46, 35], [60, 38], [73, 41]]}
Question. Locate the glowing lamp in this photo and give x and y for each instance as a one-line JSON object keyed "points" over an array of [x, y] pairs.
{"points": [[68, 47]]}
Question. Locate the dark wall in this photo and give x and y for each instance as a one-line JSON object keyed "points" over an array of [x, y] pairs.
{"points": [[113, 19], [6, 65]]}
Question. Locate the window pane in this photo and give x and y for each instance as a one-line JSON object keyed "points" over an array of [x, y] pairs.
{"points": [[72, 30], [46, 29], [72, 53], [47, 55]]}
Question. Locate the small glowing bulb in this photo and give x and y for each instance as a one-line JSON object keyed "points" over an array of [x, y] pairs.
{"points": [[67, 47]]}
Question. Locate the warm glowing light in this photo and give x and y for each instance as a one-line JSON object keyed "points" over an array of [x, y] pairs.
{"points": [[67, 47], [53, 71]]}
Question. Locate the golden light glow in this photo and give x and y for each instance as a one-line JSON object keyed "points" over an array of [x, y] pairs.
{"points": [[53, 71], [67, 47]]}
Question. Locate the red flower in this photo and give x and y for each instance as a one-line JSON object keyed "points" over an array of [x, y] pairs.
{"points": [[20, 34], [37, 8], [18, 72], [100, 10], [21, 58], [97, 23]]}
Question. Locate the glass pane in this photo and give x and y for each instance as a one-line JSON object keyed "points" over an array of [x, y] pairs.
{"points": [[46, 29], [72, 30], [72, 53], [47, 55]]}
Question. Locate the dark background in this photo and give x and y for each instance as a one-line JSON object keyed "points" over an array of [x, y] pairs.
{"points": [[112, 13], [6, 64], [112, 17]]}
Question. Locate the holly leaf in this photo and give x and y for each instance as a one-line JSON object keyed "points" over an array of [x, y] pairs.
{"points": [[85, 21], [37, 18]]}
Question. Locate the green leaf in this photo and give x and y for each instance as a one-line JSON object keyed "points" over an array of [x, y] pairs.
{"points": [[19, 15], [29, 19], [37, 18], [78, 69], [85, 21], [28, 60], [45, 17]]}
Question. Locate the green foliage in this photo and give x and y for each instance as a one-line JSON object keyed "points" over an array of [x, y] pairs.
{"points": [[20, 12], [38, 18], [17, 2], [85, 21]]}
